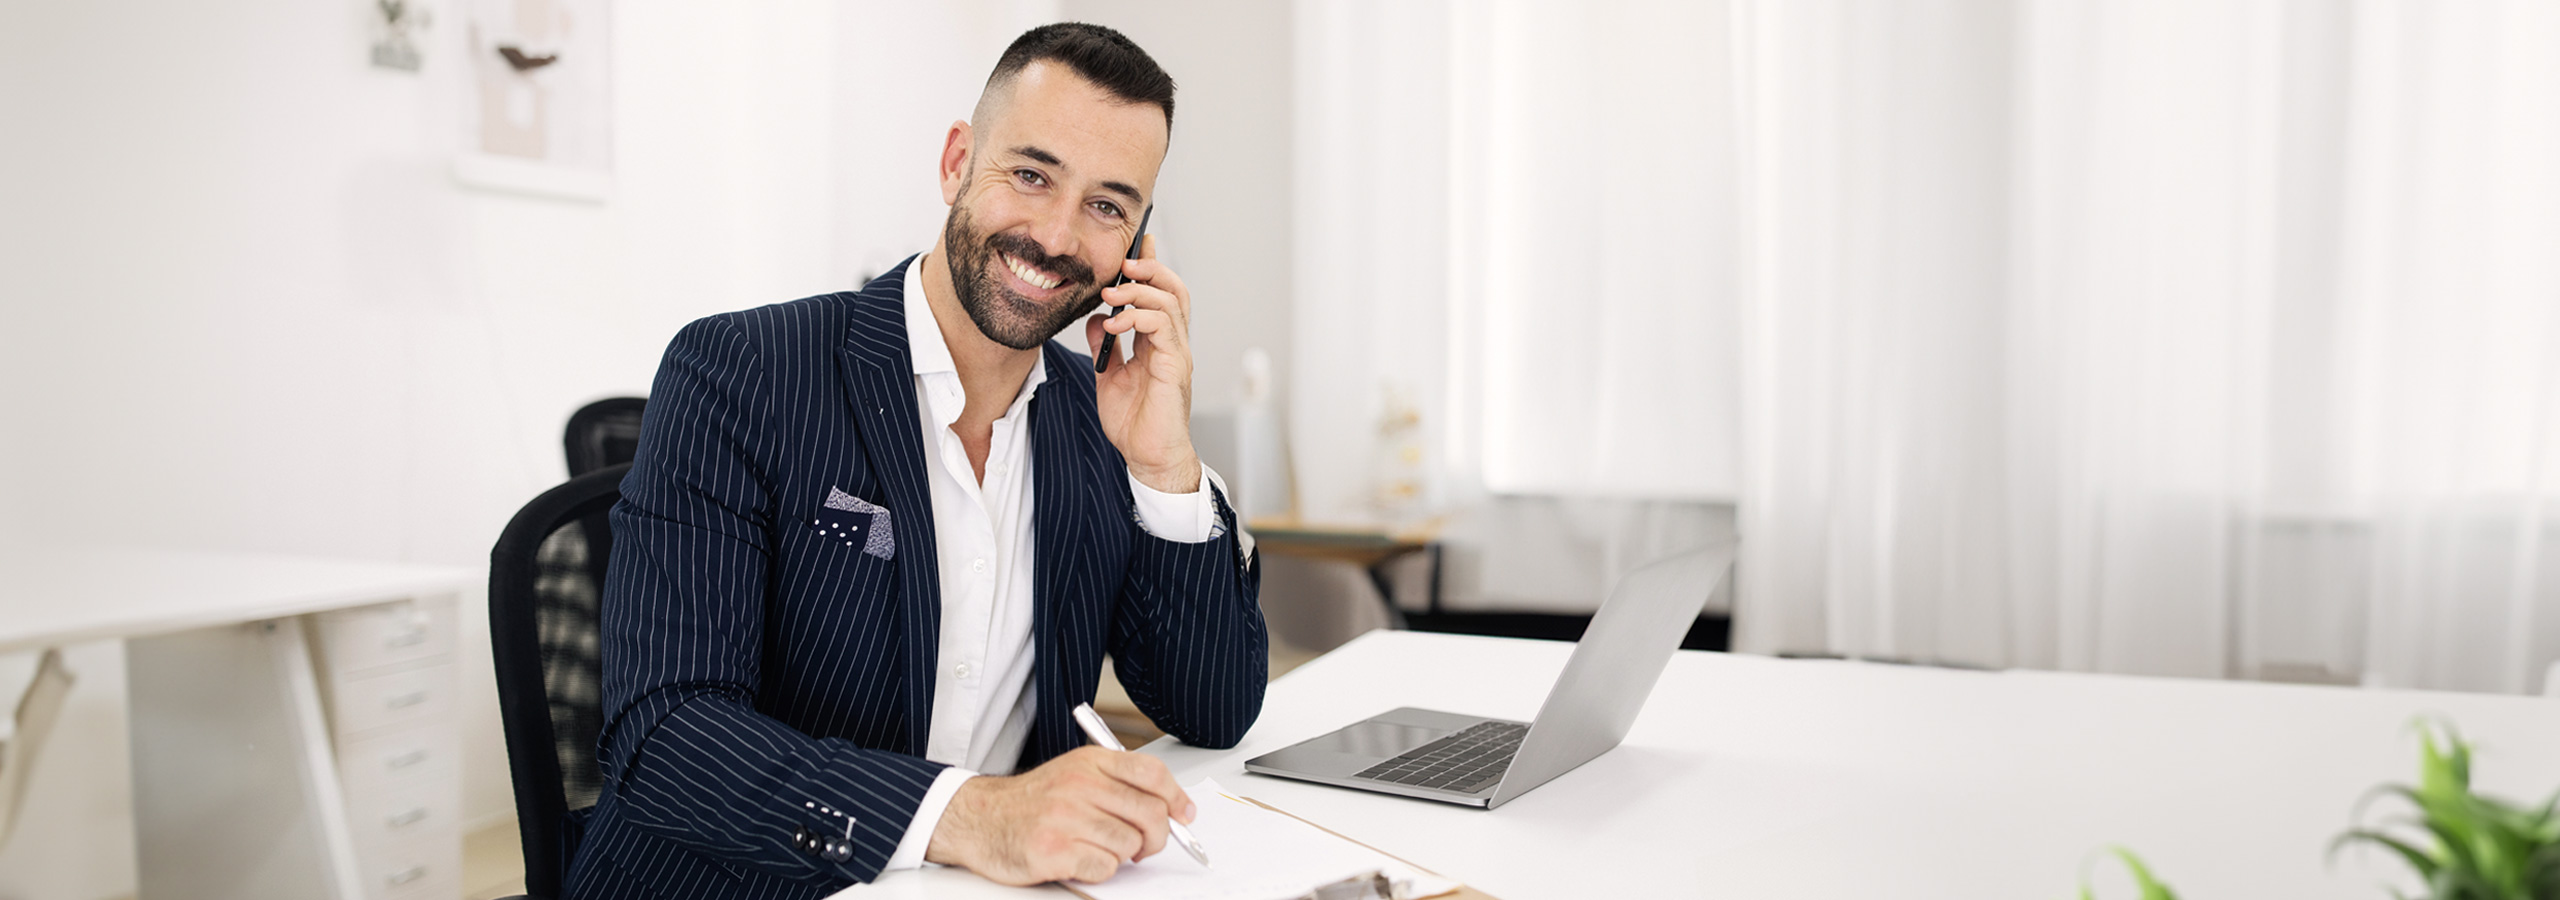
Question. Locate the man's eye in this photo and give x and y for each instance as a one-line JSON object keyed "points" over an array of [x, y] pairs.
{"points": [[1029, 176], [1107, 208]]}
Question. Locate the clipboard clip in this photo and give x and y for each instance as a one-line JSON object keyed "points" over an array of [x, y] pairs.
{"points": [[1371, 885]]}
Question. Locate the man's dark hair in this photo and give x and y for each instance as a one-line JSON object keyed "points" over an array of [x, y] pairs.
{"points": [[1103, 56]]}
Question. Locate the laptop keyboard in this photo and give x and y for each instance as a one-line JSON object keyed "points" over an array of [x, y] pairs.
{"points": [[1463, 762]]}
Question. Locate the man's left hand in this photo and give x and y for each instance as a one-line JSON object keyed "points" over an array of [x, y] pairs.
{"points": [[1145, 400]]}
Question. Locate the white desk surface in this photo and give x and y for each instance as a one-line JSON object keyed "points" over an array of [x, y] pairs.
{"points": [[68, 594], [1758, 777]]}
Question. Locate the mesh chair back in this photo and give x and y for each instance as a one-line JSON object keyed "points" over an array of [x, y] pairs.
{"points": [[603, 433], [546, 580]]}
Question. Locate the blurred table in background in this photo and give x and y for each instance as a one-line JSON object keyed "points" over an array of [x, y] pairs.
{"points": [[1419, 601], [1370, 549], [293, 727]]}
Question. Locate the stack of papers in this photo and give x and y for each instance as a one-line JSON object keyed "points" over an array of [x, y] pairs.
{"points": [[1258, 854]]}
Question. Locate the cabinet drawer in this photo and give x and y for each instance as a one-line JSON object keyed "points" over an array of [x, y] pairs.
{"points": [[418, 869], [406, 834], [386, 760], [418, 882], [359, 706], [408, 814], [373, 637]]}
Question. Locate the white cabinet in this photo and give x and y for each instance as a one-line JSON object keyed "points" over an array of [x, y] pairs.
{"points": [[246, 785], [387, 677]]}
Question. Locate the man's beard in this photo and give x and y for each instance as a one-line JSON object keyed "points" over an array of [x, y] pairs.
{"points": [[1003, 316]]}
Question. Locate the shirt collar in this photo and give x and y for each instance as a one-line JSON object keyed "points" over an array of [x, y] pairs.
{"points": [[925, 347]]}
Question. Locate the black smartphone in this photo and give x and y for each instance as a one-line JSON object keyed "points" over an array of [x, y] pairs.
{"points": [[1110, 347]]}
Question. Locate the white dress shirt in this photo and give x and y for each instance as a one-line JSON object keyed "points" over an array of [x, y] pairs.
{"points": [[982, 698]]}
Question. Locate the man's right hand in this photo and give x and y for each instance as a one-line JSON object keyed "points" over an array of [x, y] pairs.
{"points": [[1078, 816]]}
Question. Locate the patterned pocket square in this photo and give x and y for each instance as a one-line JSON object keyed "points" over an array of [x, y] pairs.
{"points": [[854, 520]]}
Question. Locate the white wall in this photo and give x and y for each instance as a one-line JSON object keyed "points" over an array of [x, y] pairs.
{"points": [[1223, 200], [242, 305]]}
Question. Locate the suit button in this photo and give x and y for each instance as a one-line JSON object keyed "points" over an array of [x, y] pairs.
{"points": [[808, 843], [838, 850]]}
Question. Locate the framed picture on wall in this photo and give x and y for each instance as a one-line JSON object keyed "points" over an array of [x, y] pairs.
{"points": [[537, 108]]}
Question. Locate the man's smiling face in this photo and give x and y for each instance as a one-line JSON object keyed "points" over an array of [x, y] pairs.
{"points": [[1057, 175]]}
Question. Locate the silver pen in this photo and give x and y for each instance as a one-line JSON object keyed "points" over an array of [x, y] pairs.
{"points": [[1093, 728]]}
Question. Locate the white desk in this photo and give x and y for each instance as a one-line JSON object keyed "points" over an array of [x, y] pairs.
{"points": [[227, 707], [1757, 777]]}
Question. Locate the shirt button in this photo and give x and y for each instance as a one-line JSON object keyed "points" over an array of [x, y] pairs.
{"points": [[960, 671], [979, 566]]}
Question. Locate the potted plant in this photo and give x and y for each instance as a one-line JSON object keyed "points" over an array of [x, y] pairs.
{"points": [[2464, 845]]}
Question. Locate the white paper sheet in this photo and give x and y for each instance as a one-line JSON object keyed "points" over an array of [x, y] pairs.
{"points": [[1256, 854]]}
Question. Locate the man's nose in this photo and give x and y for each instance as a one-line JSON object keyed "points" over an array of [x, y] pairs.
{"points": [[1055, 229]]}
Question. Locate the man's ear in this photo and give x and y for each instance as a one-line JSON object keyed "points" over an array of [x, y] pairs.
{"points": [[955, 162]]}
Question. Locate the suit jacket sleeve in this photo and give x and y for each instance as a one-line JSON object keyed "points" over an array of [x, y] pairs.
{"points": [[684, 751], [1188, 640]]}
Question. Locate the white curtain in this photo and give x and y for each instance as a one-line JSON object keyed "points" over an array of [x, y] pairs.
{"points": [[2192, 337], [2181, 337], [1494, 230]]}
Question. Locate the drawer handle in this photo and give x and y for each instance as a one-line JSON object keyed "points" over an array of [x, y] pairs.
{"points": [[405, 760], [400, 701], [411, 817], [407, 875], [406, 638]]}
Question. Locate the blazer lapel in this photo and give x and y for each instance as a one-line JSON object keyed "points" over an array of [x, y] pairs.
{"points": [[880, 382], [1055, 495]]}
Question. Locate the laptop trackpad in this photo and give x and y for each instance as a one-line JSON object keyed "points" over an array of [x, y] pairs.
{"points": [[1373, 738]]}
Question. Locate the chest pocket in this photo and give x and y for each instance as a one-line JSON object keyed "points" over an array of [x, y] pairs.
{"points": [[854, 522]]}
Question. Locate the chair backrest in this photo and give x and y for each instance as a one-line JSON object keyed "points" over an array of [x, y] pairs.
{"points": [[603, 433], [546, 580]]}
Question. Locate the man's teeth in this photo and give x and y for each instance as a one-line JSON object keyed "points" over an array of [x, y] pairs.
{"points": [[1029, 274]]}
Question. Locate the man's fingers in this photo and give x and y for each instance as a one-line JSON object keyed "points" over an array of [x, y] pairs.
{"points": [[1148, 774], [1145, 814], [1154, 844], [1148, 269], [1152, 323], [1168, 367], [1112, 829], [1138, 809], [1145, 296], [1093, 863], [1093, 332], [1097, 809]]}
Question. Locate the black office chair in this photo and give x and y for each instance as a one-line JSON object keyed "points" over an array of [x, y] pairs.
{"points": [[603, 433], [546, 578]]}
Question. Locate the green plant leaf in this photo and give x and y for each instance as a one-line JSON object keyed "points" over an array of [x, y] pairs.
{"points": [[2476, 847], [2150, 886], [2416, 858], [2543, 871], [2454, 844]]}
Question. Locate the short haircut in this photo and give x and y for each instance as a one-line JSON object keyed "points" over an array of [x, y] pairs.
{"points": [[1103, 56]]}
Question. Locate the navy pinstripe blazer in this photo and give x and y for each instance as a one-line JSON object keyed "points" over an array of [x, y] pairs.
{"points": [[760, 678]]}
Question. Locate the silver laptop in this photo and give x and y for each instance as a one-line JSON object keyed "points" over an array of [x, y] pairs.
{"points": [[1484, 762]]}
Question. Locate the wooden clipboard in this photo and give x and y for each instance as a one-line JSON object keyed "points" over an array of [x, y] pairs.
{"points": [[1464, 892]]}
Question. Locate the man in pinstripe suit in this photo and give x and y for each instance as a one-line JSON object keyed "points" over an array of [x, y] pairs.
{"points": [[876, 544]]}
